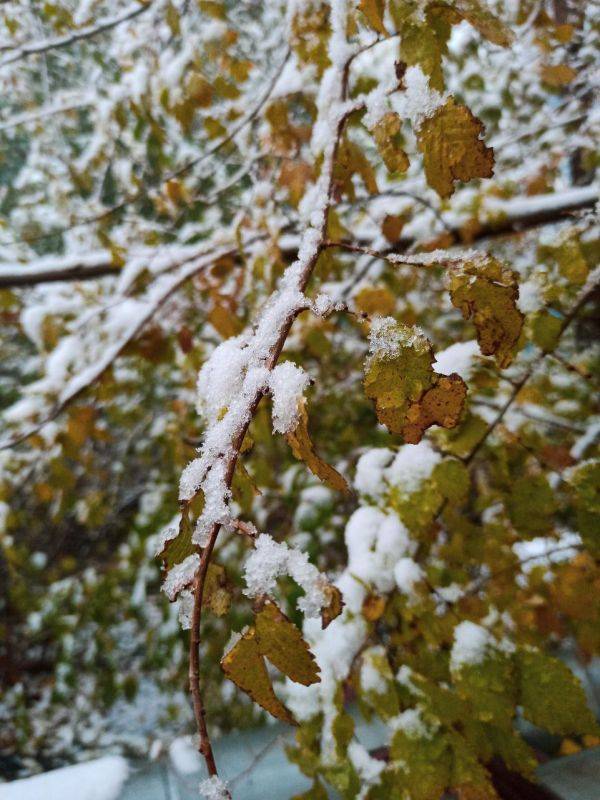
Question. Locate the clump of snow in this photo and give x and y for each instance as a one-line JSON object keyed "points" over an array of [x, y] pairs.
{"points": [[270, 559], [372, 678], [459, 358], [214, 788], [545, 551], [412, 724], [388, 337], [287, 384], [369, 480], [368, 768], [530, 296], [407, 573], [102, 779], [419, 101], [180, 576], [472, 643], [412, 465], [375, 542], [184, 756]]}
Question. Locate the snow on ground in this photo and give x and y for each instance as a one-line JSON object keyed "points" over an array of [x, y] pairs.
{"points": [[101, 779]]}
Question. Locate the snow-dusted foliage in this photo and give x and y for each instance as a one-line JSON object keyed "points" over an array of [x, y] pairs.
{"points": [[321, 270]]}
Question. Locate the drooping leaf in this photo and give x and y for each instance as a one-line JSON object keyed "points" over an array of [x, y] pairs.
{"points": [[487, 292], [373, 11], [488, 24], [409, 396], [551, 696], [304, 450], [387, 138], [452, 149], [334, 607], [281, 642], [245, 666]]}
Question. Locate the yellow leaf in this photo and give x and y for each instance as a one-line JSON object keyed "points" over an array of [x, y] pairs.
{"points": [[373, 11], [392, 225], [488, 292], [304, 450], [245, 666], [451, 147], [409, 396], [281, 642], [387, 138], [373, 300], [478, 14], [223, 321], [557, 75], [373, 607]]}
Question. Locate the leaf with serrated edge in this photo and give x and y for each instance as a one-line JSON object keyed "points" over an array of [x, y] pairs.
{"points": [[245, 666], [451, 147], [281, 642]]}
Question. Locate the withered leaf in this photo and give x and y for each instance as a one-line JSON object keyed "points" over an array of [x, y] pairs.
{"points": [[451, 147], [387, 138], [409, 396], [304, 450], [373, 11], [487, 292], [245, 666], [334, 605], [282, 643]]}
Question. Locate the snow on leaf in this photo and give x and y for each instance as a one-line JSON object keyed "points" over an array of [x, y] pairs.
{"points": [[451, 147], [281, 642], [387, 138], [304, 450], [478, 14], [245, 666], [409, 396], [488, 292]]}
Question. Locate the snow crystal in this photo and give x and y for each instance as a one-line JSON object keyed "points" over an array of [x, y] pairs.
{"points": [[270, 559], [101, 779], [387, 337], [287, 384], [459, 358], [214, 788], [407, 573], [471, 643]]}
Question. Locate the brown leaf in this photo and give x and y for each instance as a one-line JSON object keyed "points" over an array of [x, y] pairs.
{"points": [[488, 292], [373, 607], [451, 147], [440, 405], [304, 450], [557, 75], [282, 643], [334, 605], [217, 592], [245, 666]]}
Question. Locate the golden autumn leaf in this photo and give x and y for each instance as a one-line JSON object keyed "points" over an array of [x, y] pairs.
{"points": [[245, 666], [487, 292], [304, 450], [373, 300], [409, 396], [392, 225], [387, 138], [557, 75], [281, 642], [373, 11], [477, 13], [451, 147], [373, 607], [224, 321], [334, 605]]}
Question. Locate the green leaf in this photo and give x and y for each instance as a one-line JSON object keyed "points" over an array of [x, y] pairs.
{"points": [[531, 504], [585, 483], [551, 696]]}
